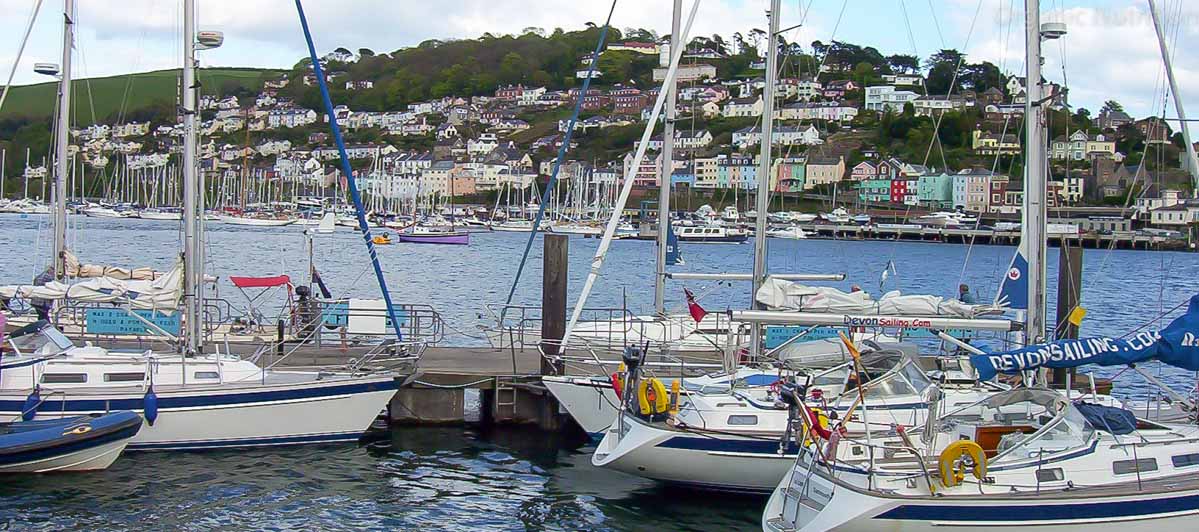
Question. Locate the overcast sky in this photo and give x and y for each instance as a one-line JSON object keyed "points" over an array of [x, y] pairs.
{"points": [[1110, 52]]}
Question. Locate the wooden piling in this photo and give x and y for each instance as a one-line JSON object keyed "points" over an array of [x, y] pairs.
{"points": [[555, 267], [1069, 294]]}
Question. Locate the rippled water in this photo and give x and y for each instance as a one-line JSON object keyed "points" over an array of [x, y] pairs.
{"points": [[455, 479], [414, 478]]}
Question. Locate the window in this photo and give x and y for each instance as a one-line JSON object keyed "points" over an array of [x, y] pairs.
{"points": [[64, 378], [124, 377], [1144, 465], [1050, 475], [1185, 460], [743, 420], [206, 375]]}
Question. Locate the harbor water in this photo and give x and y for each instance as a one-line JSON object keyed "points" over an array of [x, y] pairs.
{"points": [[512, 479]]}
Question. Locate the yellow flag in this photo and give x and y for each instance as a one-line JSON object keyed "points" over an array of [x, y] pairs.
{"points": [[1076, 316]]}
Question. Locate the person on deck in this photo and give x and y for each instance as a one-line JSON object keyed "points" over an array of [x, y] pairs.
{"points": [[965, 295], [42, 306]]}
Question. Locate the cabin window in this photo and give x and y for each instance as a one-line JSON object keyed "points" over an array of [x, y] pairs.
{"points": [[1185, 460], [1050, 475], [206, 375], [64, 378], [743, 420], [1144, 465], [124, 377]]}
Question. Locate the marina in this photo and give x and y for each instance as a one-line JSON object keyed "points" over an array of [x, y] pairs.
{"points": [[351, 335]]}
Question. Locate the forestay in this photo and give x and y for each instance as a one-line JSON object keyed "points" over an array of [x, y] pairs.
{"points": [[1177, 345]]}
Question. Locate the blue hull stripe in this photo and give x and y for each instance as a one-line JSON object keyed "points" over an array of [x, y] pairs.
{"points": [[254, 442], [1016, 513], [764, 447], [166, 401]]}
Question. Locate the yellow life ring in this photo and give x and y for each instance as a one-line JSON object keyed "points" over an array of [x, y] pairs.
{"points": [[652, 398], [953, 468]]}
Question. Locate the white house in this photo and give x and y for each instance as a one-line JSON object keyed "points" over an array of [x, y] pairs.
{"points": [[743, 107], [482, 145], [832, 111], [782, 136], [292, 117], [885, 97]]}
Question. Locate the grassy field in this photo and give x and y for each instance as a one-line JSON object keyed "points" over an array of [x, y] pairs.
{"points": [[101, 97]]}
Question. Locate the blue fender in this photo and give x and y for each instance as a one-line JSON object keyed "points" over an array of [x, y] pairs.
{"points": [[29, 409], [150, 406]]}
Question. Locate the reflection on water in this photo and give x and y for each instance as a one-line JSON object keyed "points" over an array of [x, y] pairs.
{"points": [[413, 478]]}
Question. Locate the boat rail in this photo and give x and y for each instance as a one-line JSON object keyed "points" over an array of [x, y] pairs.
{"points": [[519, 326]]}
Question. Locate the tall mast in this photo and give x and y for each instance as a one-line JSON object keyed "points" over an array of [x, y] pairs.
{"points": [[1033, 228], [666, 174], [1192, 165], [192, 276], [62, 142], [764, 166]]}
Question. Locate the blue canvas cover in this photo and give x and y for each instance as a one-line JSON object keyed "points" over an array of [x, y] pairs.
{"points": [[1117, 421], [1177, 345]]}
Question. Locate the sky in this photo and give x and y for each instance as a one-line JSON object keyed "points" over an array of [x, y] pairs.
{"points": [[1110, 52]]}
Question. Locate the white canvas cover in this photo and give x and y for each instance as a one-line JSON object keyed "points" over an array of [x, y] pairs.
{"points": [[75, 269], [778, 294], [162, 293]]}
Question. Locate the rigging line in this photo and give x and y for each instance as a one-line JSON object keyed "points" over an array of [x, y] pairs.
{"points": [[957, 70], [351, 180], [566, 136], [20, 51]]}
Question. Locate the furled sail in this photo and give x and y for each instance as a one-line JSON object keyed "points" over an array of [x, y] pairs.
{"points": [[76, 269], [1177, 345], [779, 294], [162, 293]]}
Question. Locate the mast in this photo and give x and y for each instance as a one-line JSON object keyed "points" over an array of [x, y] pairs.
{"points": [[1192, 165], [666, 175], [62, 142], [192, 276], [764, 166], [1033, 227]]}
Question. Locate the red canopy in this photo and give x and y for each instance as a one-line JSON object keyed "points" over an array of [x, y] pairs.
{"points": [[260, 282]]}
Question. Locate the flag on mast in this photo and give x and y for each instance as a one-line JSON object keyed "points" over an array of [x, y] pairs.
{"points": [[697, 312]]}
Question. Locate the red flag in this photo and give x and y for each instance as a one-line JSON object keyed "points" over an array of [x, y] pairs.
{"points": [[697, 312]]}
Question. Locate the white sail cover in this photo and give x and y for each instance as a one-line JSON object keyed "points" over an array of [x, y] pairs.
{"points": [[75, 269], [778, 294], [162, 293]]}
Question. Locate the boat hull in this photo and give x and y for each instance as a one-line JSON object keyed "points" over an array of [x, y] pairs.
{"points": [[207, 417], [833, 507], [255, 222], [79, 444], [453, 239], [592, 402], [712, 461]]}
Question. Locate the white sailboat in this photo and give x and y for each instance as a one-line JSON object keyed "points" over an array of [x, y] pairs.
{"points": [[195, 399]]}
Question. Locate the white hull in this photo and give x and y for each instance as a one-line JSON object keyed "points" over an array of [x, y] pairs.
{"points": [[232, 415], [106, 213], [850, 510], [701, 460], [172, 216], [255, 222], [92, 459], [592, 402]]}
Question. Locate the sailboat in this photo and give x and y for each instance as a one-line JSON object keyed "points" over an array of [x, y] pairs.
{"points": [[1030, 457], [194, 399]]}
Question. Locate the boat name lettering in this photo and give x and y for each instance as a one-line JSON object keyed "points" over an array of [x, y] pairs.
{"points": [[878, 321]]}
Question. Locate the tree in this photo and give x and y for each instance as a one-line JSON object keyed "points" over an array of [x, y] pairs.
{"points": [[365, 52], [902, 63], [1111, 106]]}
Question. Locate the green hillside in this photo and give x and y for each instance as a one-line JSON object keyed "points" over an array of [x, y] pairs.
{"points": [[104, 97]]}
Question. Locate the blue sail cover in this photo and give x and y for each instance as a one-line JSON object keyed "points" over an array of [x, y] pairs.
{"points": [[1013, 290], [1176, 345]]}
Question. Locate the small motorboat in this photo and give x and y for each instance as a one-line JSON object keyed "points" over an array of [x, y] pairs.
{"points": [[434, 235], [381, 239], [78, 443]]}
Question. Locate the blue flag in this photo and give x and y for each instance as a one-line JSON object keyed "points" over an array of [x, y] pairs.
{"points": [[1013, 290], [674, 256], [1176, 345]]}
